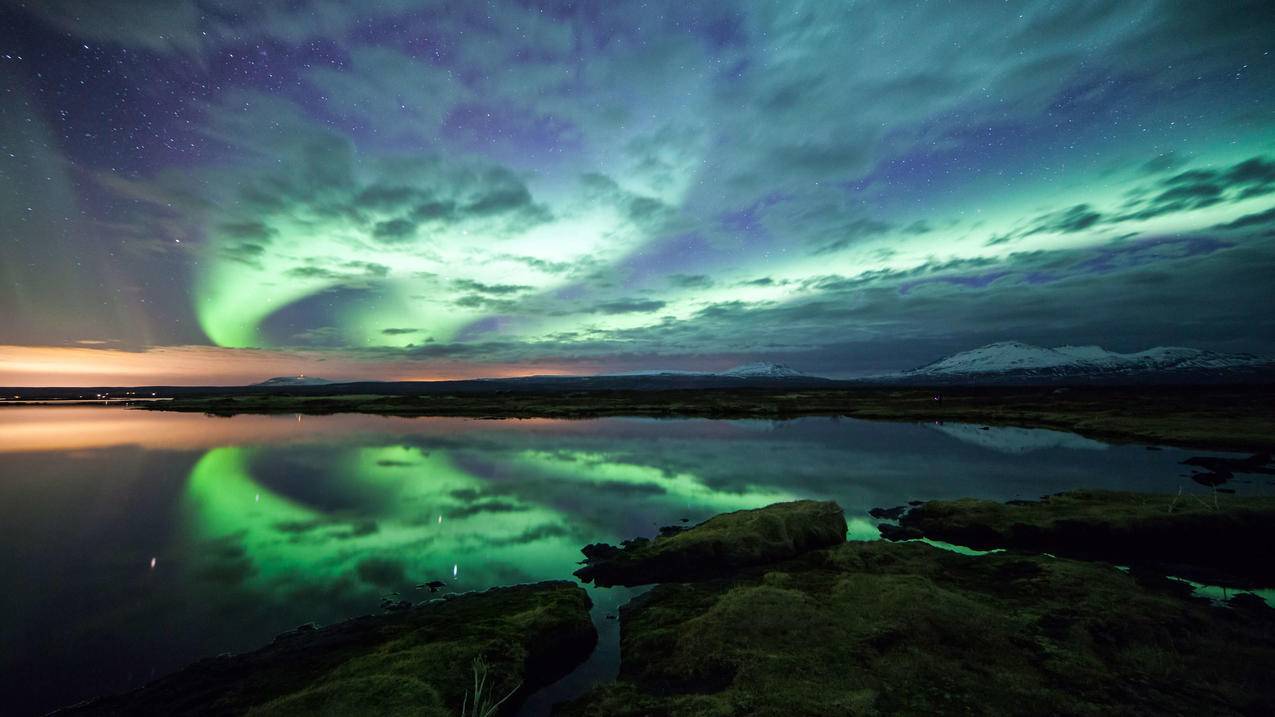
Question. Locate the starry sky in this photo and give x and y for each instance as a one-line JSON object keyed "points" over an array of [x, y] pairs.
{"points": [[214, 191]]}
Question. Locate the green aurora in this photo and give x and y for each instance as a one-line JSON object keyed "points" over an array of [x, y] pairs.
{"points": [[511, 186]]}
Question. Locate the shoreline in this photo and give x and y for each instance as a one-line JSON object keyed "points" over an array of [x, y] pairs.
{"points": [[878, 625], [1213, 418]]}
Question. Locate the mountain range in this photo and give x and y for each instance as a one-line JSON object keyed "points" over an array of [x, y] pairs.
{"points": [[1001, 363], [1017, 362]]}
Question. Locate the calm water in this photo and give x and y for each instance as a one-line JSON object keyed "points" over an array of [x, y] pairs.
{"points": [[133, 542]]}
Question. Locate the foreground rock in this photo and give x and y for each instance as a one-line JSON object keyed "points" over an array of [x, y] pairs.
{"points": [[417, 661], [718, 545], [1214, 538], [905, 628]]}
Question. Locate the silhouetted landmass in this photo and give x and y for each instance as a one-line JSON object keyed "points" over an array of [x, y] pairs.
{"points": [[1215, 538], [1235, 417]]}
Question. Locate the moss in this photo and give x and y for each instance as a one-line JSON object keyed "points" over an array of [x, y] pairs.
{"points": [[884, 628], [1218, 538], [416, 661], [720, 544]]}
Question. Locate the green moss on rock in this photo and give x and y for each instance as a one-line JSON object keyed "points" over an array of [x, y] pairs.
{"points": [[417, 661], [1216, 537], [886, 628], [718, 545]]}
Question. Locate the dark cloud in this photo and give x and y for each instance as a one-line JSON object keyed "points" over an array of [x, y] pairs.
{"points": [[690, 281], [497, 289], [851, 232], [484, 302], [1259, 219], [1200, 188], [1076, 219], [547, 531], [486, 506], [395, 230], [252, 230], [629, 306], [382, 572]]}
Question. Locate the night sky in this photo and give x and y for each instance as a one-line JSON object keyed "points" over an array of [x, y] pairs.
{"points": [[210, 191]]}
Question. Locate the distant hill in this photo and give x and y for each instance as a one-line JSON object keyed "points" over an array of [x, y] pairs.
{"points": [[283, 381], [765, 370], [1017, 362], [758, 369]]}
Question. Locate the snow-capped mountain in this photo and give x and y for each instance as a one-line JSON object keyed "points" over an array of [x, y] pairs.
{"points": [[1017, 360], [294, 381], [765, 370]]}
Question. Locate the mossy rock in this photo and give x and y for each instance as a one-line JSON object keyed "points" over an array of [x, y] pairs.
{"points": [[417, 661], [1213, 538], [718, 545], [886, 628]]}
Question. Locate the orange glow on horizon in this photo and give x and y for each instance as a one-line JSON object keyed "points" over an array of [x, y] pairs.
{"points": [[60, 366]]}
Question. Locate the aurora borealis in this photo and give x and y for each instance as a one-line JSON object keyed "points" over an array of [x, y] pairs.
{"points": [[208, 191]]}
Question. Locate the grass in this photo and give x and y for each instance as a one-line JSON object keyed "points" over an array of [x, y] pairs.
{"points": [[484, 703]]}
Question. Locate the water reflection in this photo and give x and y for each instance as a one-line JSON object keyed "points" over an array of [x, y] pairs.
{"points": [[133, 541]]}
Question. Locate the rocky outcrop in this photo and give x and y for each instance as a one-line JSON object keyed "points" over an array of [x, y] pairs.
{"points": [[414, 661], [1213, 538], [718, 545], [888, 628]]}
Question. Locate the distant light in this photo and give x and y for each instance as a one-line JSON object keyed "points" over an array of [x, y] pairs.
{"points": [[440, 520], [257, 499], [455, 569], [153, 562]]}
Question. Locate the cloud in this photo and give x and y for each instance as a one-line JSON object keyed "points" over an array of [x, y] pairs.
{"points": [[382, 572], [1258, 219], [690, 281], [629, 306]]}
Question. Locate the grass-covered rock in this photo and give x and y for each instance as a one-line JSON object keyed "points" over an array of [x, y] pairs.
{"points": [[1213, 537], [414, 661], [718, 545], [905, 628]]}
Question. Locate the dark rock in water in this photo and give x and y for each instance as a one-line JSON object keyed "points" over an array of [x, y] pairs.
{"points": [[1211, 479], [1250, 602], [732, 540], [1154, 448], [888, 513], [1257, 463], [433, 585], [417, 661], [1208, 538], [890, 531], [686, 520], [907, 629]]}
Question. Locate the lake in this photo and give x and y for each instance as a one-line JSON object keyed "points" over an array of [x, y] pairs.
{"points": [[133, 542]]}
